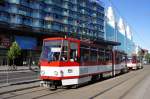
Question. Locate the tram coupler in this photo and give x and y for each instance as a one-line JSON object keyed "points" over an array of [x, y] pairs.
{"points": [[52, 84]]}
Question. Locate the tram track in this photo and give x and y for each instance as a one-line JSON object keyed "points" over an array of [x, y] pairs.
{"points": [[125, 80], [15, 95], [128, 91], [48, 92], [62, 90], [17, 90], [120, 83], [108, 89], [122, 96], [34, 90], [39, 92]]}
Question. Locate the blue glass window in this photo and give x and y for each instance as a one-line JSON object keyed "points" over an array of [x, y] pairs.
{"points": [[14, 1], [4, 17], [35, 14], [36, 23], [121, 39], [13, 9], [110, 33]]}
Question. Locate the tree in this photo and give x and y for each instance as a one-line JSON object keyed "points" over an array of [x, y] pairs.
{"points": [[140, 55], [14, 52], [147, 57]]}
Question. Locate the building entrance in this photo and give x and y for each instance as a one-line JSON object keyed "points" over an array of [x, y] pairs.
{"points": [[3, 57], [29, 57]]}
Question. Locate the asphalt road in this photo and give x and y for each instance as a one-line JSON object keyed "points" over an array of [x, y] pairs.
{"points": [[17, 76], [132, 85]]}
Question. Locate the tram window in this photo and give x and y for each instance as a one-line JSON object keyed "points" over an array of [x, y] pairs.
{"points": [[51, 50], [73, 51], [64, 52], [101, 56], [134, 59], [121, 58], [117, 58], [93, 55], [84, 54], [129, 60], [108, 56]]}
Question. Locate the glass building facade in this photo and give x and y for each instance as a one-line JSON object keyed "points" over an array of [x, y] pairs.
{"points": [[82, 17], [110, 32], [118, 32], [130, 47], [122, 39], [127, 45], [110, 28], [46, 18]]}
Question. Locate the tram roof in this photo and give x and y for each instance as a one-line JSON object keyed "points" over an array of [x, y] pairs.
{"points": [[105, 42], [101, 41], [62, 38]]}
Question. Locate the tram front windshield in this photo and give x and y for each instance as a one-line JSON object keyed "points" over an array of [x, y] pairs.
{"points": [[52, 50]]}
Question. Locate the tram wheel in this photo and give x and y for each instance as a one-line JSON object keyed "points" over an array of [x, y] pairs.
{"points": [[69, 86], [75, 86], [53, 87]]}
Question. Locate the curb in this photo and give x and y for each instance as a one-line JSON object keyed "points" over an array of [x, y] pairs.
{"points": [[18, 70], [25, 82], [14, 70], [9, 72]]}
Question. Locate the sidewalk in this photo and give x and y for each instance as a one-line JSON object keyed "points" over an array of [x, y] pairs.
{"points": [[19, 87], [19, 68]]}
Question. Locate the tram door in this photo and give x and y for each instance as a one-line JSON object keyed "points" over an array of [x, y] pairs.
{"points": [[73, 51]]}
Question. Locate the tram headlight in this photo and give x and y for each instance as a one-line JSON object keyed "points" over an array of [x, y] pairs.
{"points": [[70, 70], [55, 73], [42, 72]]}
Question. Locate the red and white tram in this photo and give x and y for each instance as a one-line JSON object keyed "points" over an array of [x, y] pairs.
{"points": [[134, 62], [120, 62], [69, 62]]}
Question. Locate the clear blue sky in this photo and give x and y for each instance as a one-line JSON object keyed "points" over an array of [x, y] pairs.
{"points": [[137, 14]]}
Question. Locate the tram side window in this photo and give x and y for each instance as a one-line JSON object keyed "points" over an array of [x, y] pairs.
{"points": [[108, 56], [117, 58], [93, 55], [101, 56], [84, 54], [73, 51], [134, 59], [121, 58]]}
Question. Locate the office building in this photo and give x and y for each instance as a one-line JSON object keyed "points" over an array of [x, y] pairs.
{"points": [[29, 21]]}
